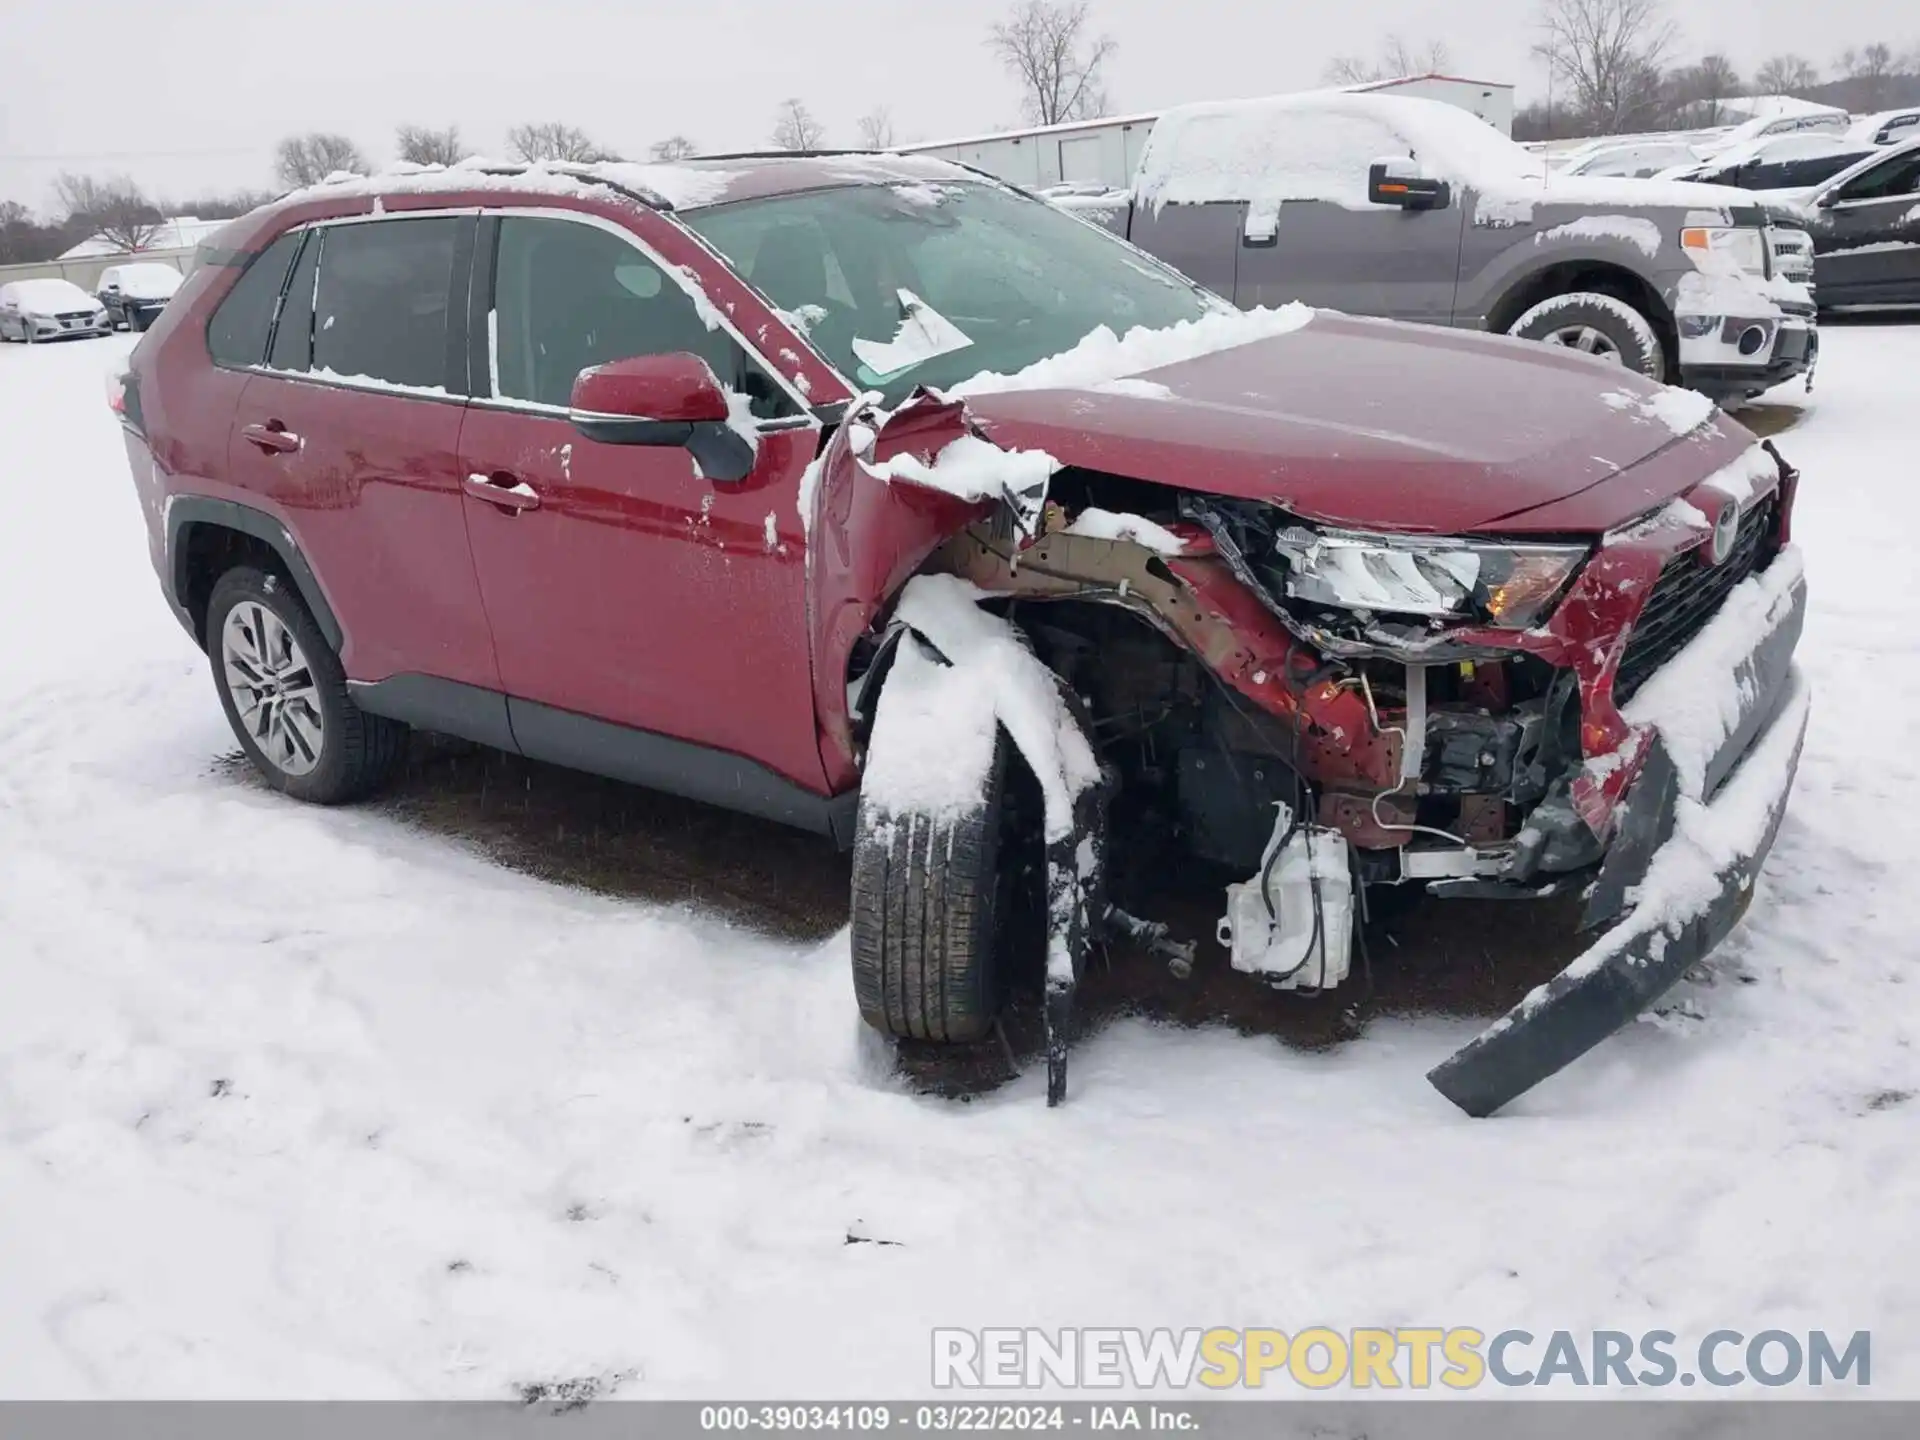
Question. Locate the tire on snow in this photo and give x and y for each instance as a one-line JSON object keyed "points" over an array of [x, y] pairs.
{"points": [[359, 752], [1632, 338], [927, 961]]}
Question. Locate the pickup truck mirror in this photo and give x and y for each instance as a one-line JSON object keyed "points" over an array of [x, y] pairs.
{"points": [[673, 400], [1403, 181]]}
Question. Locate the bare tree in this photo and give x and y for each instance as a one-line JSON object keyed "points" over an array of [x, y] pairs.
{"points": [[1699, 89], [552, 140], [794, 127], [876, 128], [1397, 58], [1784, 74], [115, 210], [309, 159], [1869, 66], [674, 147], [1610, 54], [23, 238], [1045, 44], [423, 146]]}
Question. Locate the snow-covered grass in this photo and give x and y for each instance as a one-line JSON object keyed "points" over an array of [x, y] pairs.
{"points": [[298, 1102]]}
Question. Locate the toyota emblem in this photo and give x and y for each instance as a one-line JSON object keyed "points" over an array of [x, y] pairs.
{"points": [[1726, 529]]}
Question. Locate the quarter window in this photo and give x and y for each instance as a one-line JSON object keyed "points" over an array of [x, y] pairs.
{"points": [[237, 334], [293, 331], [568, 296], [382, 302]]}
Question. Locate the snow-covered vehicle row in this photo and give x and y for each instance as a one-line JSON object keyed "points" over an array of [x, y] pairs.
{"points": [[1417, 210], [868, 495]]}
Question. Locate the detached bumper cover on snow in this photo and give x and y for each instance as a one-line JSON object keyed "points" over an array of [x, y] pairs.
{"points": [[1697, 825]]}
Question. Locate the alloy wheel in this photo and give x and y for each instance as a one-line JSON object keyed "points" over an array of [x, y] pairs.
{"points": [[1585, 339], [272, 687]]}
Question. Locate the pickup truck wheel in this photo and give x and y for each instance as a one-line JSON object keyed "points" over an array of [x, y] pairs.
{"points": [[1596, 324], [927, 891], [286, 696]]}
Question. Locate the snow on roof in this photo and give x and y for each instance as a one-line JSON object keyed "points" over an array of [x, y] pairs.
{"points": [[1776, 107], [49, 293], [146, 280], [1297, 147], [182, 232], [685, 185], [1398, 80], [1865, 127]]}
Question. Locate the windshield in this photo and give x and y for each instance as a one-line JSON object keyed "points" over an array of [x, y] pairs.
{"points": [[49, 296], [930, 284]]}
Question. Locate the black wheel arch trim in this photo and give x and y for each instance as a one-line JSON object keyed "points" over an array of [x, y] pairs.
{"points": [[600, 747], [187, 511], [1519, 284]]}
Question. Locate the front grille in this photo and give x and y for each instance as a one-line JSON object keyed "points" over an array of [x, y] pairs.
{"points": [[1687, 595]]}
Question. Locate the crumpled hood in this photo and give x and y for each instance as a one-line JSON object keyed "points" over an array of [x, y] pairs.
{"points": [[1378, 425]]}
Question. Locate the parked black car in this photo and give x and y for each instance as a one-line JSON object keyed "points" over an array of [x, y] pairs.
{"points": [[1865, 224], [1777, 162], [135, 293]]}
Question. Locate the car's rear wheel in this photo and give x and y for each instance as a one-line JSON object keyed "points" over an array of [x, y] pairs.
{"points": [[286, 696], [929, 945], [1603, 326]]}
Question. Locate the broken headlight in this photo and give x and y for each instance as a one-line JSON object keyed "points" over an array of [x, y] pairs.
{"points": [[1510, 586]]}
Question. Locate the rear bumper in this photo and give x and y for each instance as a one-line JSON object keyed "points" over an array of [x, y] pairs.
{"points": [[1694, 831]]}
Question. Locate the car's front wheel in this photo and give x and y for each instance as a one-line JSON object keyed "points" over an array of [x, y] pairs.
{"points": [[286, 695], [1603, 326], [929, 940]]}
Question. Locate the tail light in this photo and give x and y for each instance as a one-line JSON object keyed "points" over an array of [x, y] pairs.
{"points": [[123, 398]]}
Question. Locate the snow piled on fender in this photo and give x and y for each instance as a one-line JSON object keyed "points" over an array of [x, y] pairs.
{"points": [[933, 735], [1113, 525], [971, 468], [1102, 356]]}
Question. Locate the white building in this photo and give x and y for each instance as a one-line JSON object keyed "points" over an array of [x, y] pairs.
{"points": [[1104, 152]]}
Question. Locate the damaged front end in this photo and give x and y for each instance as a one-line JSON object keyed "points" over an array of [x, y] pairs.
{"points": [[1324, 712]]}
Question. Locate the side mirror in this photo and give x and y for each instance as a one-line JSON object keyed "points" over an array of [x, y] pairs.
{"points": [[1403, 181], [671, 400]]}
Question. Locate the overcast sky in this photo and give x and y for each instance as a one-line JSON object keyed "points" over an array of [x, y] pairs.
{"points": [[187, 95]]}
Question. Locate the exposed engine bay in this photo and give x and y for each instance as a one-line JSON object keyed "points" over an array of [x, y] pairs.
{"points": [[1315, 716]]}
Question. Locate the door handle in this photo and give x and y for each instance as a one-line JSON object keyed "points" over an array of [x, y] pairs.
{"points": [[508, 492], [272, 437]]}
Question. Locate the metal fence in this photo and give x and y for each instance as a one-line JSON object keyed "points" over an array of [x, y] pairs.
{"points": [[86, 273]]}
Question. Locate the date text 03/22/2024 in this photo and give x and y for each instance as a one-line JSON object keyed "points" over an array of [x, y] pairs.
{"points": [[940, 1418]]}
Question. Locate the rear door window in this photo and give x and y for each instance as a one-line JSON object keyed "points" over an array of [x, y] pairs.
{"points": [[237, 334], [569, 295], [1891, 180], [383, 303]]}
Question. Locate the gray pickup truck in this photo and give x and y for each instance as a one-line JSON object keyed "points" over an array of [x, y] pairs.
{"points": [[1416, 210]]}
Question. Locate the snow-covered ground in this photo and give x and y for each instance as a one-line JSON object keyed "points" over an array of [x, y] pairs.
{"points": [[298, 1102]]}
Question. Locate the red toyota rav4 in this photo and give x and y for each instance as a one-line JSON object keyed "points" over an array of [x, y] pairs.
{"points": [[873, 496]]}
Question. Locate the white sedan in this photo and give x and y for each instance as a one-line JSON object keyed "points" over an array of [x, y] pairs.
{"points": [[49, 309]]}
